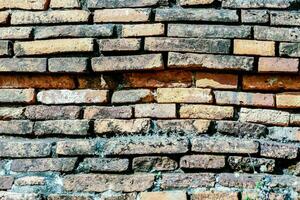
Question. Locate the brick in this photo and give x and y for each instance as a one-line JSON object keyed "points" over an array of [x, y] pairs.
{"points": [[104, 165], [277, 34], [132, 96], [166, 78], [285, 134], [205, 61], [44, 32], [264, 116], [17, 127], [283, 65], [122, 3], [5, 48], [42, 47], [49, 17], [25, 148], [294, 169], [4, 17], [241, 129], [124, 63], [103, 112], [30, 181], [255, 196], [194, 14], [64, 4], [255, 16], [36, 81], [73, 147], [6, 182], [249, 164], [219, 145], [29, 5], [288, 100], [43, 165], [72, 96], [126, 196], [244, 98], [254, 47], [245, 181], [15, 32], [215, 195], [17, 96], [155, 110], [202, 162], [122, 15], [121, 126], [104, 182], [136, 30], [289, 49], [23, 65], [285, 18], [74, 64], [178, 195], [278, 150], [216, 81], [187, 180], [19, 196], [98, 81], [208, 31], [195, 2], [8, 113], [206, 112], [184, 95], [257, 3], [61, 127], [153, 163], [285, 181], [145, 145], [294, 119], [120, 44], [183, 126], [69, 197], [197, 45]]}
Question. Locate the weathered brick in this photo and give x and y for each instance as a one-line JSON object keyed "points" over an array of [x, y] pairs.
{"points": [[74, 64], [264, 116], [289, 49], [255, 16], [42, 47], [102, 112], [120, 196], [215, 195], [223, 145], [290, 18], [15, 32], [155, 110], [30, 181], [19, 196], [285, 181], [198, 45], [43, 165], [286, 134], [244, 98], [104, 165], [288, 100], [4, 17], [29, 5], [278, 150], [134, 30], [104, 182], [206, 112], [166, 78], [49, 17], [69, 197], [64, 4], [61, 127], [120, 44], [17, 96], [277, 34], [257, 3], [202, 162], [122, 15], [195, 2], [5, 48], [185, 126], [250, 164], [294, 169], [72, 96], [187, 180], [193, 14], [120, 126], [170, 195], [25, 148], [145, 145], [283, 65], [153, 163], [294, 119], [98, 81], [41, 112], [122, 3], [246, 181], [225, 62], [17, 127], [123, 63], [76, 147], [254, 47], [184, 95], [256, 196], [23, 65], [6, 182], [8, 113], [132, 96], [216, 81]]}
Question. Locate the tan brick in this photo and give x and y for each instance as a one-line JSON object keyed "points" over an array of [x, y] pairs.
{"points": [[72, 96], [17, 96], [186, 126], [216, 81], [23, 65], [121, 44], [155, 110], [4, 17], [288, 100], [8, 113], [184, 95], [195, 2], [135, 30], [202, 162], [215, 195], [171, 195], [278, 65], [132, 96], [15, 32], [49, 17], [29, 5], [102, 112], [64, 4], [75, 147], [122, 15], [244, 98], [42, 47], [254, 47], [206, 112]]}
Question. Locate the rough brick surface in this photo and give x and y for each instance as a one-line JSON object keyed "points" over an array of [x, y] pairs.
{"points": [[122, 15], [180, 195], [206, 112], [202, 162], [153, 163]]}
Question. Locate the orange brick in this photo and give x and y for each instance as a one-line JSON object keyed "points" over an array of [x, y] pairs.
{"points": [[217, 81], [254, 47], [278, 65], [288, 100]]}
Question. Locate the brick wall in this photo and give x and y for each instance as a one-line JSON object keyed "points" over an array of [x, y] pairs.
{"points": [[149, 99]]}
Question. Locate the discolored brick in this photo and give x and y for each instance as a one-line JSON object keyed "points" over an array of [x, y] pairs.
{"points": [[278, 150], [104, 165], [290, 18], [202, 162], [250, 164], [41, 112], [29, 5], [16, 127], [289, 49], [103, 112], [257, 3], [15, 32], [169, 195], [6, 182], [122, 3], [215, 195], [4, 17], [73, 147], [30, 181], [17, 96], [23, 65], [65, 4], [8, 113], [216, 81], [255, 16], [120, 44], [122, 15], [19, 196], [74, 64], [155, 110], [277, 33], [153, 163], [133, 96], [285, 134]]}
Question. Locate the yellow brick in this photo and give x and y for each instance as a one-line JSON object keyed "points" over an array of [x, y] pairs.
{"points": [[24, 4], [206, 112], [288, 100], [178, 195], [254, 47], [122, 15]]}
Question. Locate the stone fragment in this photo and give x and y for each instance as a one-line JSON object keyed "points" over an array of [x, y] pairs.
{"points": [[255, 16], [5, 48], [26, 5], [289, 49], [65, 4], [4, 17], [257, 3], [15, 32], [120, 44], [30, 181], [215, 195], [6, 182], [290, 18], [19, 196], [9, 113], [277, 33], [123, 3], [278, 150], [284, 134]]}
